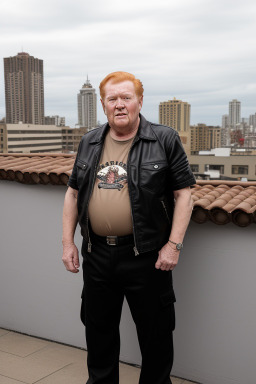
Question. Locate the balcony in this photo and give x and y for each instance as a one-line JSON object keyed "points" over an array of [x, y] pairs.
{"points": [[26, 359], [214, 283]]}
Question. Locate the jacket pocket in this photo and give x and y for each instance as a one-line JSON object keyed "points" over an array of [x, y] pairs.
{"points": [[81, 165], [81, 170], [152, 176]]}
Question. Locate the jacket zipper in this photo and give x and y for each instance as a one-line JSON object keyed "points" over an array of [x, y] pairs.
{"points": [[89, 248], [136, 252], [165, 209]]}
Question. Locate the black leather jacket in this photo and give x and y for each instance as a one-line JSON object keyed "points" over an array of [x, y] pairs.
{"points": [[156, 166]]}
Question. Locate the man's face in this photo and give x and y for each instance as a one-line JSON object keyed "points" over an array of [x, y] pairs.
{"points": [[121, 105]]}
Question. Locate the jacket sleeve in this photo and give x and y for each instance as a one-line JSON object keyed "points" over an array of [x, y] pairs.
{"points": [[72, 182], [180, 172]]}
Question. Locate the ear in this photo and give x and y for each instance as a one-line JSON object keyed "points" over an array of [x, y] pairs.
{"points": [[140, 102], [103, 106]]}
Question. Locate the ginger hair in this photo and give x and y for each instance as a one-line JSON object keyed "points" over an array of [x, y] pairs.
{"points": [[118, 77]]}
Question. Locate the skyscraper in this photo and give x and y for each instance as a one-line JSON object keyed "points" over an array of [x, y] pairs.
{"points": [[234, 116], [87, 106], [176, 114], [24, 89], [225, 131]]}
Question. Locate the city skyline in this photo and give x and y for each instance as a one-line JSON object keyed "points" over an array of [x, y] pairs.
{"points": [[197, 51]]}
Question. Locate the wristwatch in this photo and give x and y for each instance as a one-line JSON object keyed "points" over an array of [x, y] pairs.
{"points": [[179, 246]]}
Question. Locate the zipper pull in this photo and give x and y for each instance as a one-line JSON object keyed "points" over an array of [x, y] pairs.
{"points": [[89, 249], [136, 251]]}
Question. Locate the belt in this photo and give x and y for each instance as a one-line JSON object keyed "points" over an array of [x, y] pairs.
{"points": [[113, 240]]}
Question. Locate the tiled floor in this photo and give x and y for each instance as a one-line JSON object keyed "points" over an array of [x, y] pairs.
{"points": [[28, 360]]}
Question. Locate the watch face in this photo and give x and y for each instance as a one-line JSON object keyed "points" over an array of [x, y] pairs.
{"points": [[179, 246]]}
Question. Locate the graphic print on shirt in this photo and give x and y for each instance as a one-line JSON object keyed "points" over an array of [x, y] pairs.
{"points": [[112, 175]]}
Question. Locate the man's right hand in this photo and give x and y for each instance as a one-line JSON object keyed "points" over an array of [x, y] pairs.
{"points": [[70, 258]]}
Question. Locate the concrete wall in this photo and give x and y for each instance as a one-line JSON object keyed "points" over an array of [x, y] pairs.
{"points": [[215, 286]]}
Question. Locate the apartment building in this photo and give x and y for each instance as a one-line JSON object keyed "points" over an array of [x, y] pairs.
{"points": [[204, 138], [24, 89], [71, 138], [30, 138], [233, 167], [176, 114]]}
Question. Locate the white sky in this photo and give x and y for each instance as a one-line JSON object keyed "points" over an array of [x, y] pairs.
{"points": [[200, 51]]}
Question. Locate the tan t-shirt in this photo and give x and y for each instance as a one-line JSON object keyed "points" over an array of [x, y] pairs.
{"points": [[109, 207]]}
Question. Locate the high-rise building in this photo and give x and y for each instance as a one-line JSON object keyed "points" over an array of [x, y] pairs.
{"points": [[87, 106], [204, 138], [252, 120], [225, 131], [176, 114], [24, 89], [234, 113], [224, 123]]}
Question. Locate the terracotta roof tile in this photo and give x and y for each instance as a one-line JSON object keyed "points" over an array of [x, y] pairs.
{"points": [[233, 201], [218, 200], [37, 168]]}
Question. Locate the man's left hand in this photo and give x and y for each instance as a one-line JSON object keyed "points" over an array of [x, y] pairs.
{"points": [[167, 258]]}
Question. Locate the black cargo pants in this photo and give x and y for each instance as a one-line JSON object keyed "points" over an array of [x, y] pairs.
{"points": [[110, 274]]}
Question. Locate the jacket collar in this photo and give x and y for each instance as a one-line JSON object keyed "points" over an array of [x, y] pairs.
{"points": [[144, 132]]}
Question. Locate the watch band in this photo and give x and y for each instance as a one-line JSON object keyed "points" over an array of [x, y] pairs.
{"points": [[179, 246]]}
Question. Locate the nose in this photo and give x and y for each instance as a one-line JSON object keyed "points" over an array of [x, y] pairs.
{"points": [[119, 103]]}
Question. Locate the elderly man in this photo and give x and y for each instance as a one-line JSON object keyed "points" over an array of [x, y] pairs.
{"points": [[129, 191]]}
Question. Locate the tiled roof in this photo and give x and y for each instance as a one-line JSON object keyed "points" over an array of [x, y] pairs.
{"points": [[220, 201], [223, 201], [36, 168]]}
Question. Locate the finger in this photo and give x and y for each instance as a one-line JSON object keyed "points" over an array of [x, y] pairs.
{"points": [[164, 267], [76, 260], [158, 264], [70, 266]]}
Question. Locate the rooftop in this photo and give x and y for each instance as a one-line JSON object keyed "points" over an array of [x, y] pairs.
{"points": [[36, 168], [220, 201], [29, 360]]}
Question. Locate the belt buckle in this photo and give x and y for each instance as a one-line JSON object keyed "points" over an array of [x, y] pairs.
{"points": [[111, 240]]}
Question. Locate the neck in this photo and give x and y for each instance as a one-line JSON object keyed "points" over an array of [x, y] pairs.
{"points": [[124, 134]]}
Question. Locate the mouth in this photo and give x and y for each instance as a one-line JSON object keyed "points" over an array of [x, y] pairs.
{"points": [[120, 114]]}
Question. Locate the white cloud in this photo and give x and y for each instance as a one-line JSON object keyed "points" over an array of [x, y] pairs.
{"points": [[201, 51]]}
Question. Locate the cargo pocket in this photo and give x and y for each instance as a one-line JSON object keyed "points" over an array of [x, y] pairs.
{"points": [[82, 311], [167, 301]]}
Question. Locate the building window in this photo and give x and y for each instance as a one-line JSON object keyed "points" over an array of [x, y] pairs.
{"points": [[214, 167], [194, 167], [240, 169]]}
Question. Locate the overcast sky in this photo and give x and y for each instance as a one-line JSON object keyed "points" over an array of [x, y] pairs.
{"points": [[199, 51]]}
